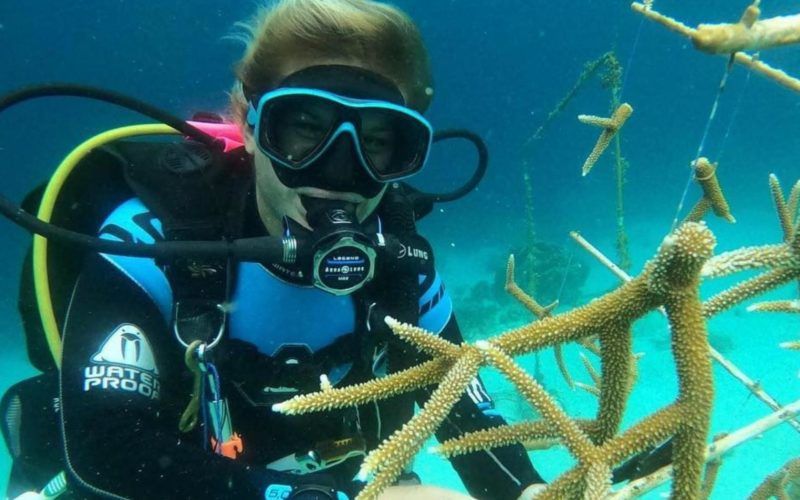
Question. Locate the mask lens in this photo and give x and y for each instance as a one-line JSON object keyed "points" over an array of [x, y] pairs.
{"points": [[294, 128], [394, 144]]}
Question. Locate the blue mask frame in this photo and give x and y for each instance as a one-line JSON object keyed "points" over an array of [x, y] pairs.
{"points": [[344, 127]]}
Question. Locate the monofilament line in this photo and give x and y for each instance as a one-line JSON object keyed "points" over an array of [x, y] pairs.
{"points": [[627, 70], [702, 145], [735, 114]]}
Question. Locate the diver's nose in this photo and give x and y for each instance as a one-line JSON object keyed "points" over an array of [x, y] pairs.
{"points": [[341, 169]]}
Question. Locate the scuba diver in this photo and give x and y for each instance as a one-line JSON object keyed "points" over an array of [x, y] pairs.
{"points": [[169, 367], [202, 280]]}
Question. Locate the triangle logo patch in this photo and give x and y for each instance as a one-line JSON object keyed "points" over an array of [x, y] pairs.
{"points": [[127, 346]]}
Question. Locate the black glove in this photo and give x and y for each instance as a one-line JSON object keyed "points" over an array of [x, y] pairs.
{"points": [[644, 463]]}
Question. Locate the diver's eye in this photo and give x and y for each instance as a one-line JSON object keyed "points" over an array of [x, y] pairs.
{"points": [[378, 142], [306, 126]]}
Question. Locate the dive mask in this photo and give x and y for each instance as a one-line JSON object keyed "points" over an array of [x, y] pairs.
{"points": [[339, 128]]}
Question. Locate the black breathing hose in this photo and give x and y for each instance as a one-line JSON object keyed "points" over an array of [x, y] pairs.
{"points": [[270, 249]]}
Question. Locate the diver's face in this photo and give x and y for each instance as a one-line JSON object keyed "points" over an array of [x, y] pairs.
{"points": [[275, 199]]}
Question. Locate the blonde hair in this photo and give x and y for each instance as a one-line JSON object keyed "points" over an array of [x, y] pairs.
{"points": [[378, 36]]}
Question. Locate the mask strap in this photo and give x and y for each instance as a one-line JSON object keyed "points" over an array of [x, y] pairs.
{"points": [[252, 115]]}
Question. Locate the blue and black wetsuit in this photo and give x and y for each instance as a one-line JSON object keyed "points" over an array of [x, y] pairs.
{"points": [[124, 384]]}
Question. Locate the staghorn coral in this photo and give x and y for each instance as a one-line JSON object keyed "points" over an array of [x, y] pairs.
{"points": [[713, 198], [732, 369], [388, 460], [422, 375], [538, 311], [793, 205], [776, 485], [610, 128], [547, 271], [714, 450], [770, 33], [785, 306], [670, 281], [610, 72], [749, 33], [782, 261], [785, 217], [711, 472], [526, 300]]}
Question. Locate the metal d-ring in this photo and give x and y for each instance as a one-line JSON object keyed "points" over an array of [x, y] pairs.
{"points": [[217, 337]]}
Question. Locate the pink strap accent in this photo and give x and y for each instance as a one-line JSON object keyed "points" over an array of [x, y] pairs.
{"points": [[230, 133]]}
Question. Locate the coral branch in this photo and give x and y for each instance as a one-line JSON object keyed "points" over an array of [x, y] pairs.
{"points": [[574, 438], [794, 345], [620, 307], [711, 473], [748, 34], [424, 340], [526, 300], [774, 74], [714, 450], [646, 434], [598, 481], [387, 461], [562, 366], [524, 432], [617, 358], [749, 289], [427, 373], [794, 202], [726, 264], [610, 128], [789, 25], [695, 381], [699, 210], [665, 21], [784, 306], [705, 175], [775, 484], [784, 217], [745, 259]]}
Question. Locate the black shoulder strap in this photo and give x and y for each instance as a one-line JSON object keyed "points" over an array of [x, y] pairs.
{"points": [[197, 194], [194, 191], [397, 294]]}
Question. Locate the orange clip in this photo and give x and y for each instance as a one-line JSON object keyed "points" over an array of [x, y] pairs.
{"points": [[230, 448]]}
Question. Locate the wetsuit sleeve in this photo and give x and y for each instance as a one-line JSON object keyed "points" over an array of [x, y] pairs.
{"points": [[123, 387], [500, 473]]}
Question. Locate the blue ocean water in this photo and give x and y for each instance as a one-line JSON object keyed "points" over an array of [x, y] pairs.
{"points": [[500, 67]]}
